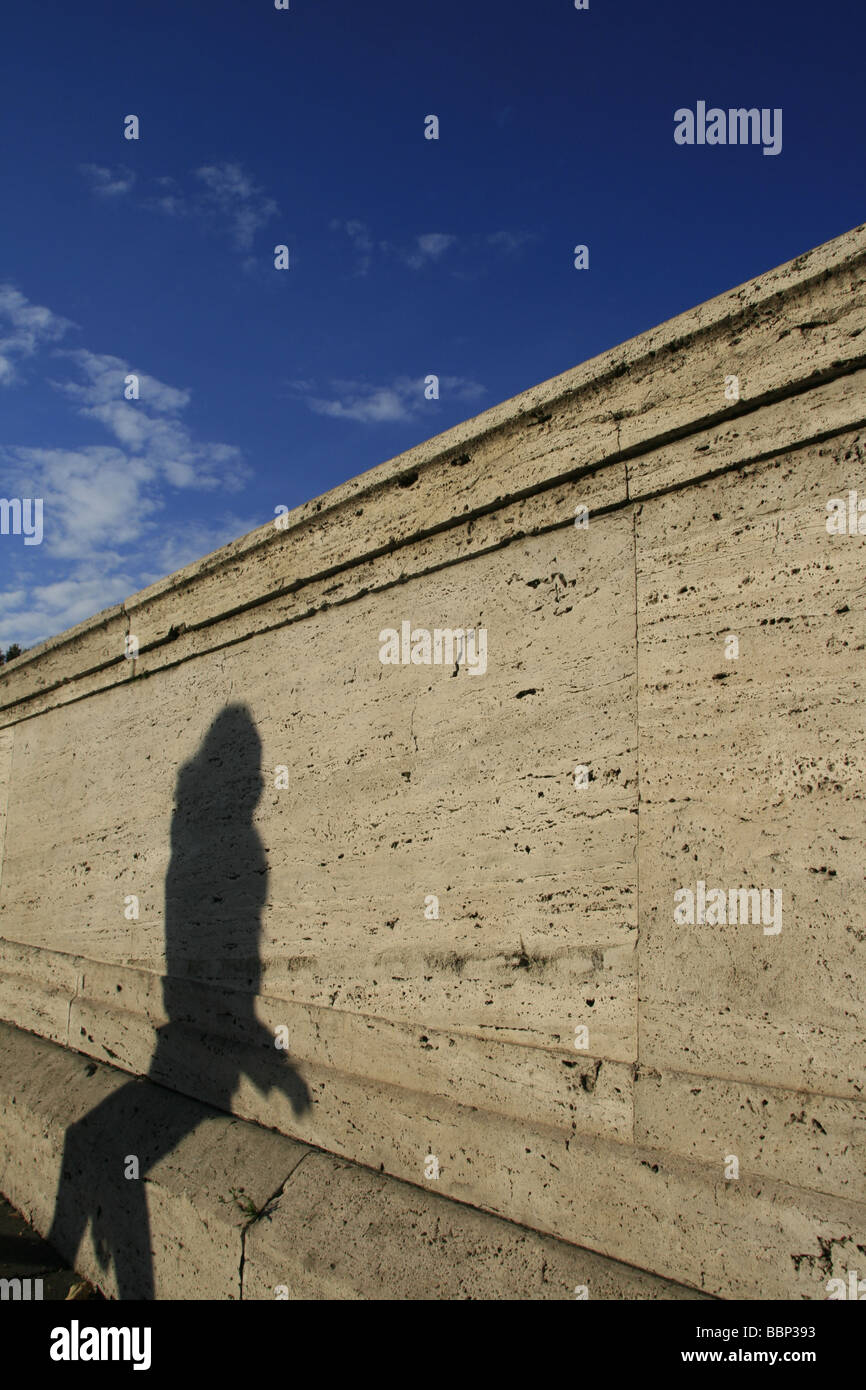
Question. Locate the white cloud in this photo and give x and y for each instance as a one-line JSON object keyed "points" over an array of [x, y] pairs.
{"points": [[424, 249], [109, 519], [224, 194], [147, 428], [429, 247], [31, 613], [378, 404], [169, 200], [362, 242], [96, 499], [181, 547], [105, 376], [24, 328], [231, 191], [403, 399], [508, 241], [227, 181], [106, 182]]}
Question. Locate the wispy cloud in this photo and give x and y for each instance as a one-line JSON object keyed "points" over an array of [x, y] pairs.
{"points": [[510, 241], [28, 616], [107, 182], [421, 251], [402, 399], [361, 239], [231, 191], [223, 195], [31, 612], [170, 198], [147, 428], [429, 247], [24, 328], [110, 524]]}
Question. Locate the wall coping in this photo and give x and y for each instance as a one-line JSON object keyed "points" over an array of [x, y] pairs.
{"points": [[683, 330]]}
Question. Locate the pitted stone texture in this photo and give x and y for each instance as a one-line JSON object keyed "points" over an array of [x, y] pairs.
{"points": [[752, 774], [69, 1129], [455, 1033], [784, 330], [233, 1210], [814, 1141], [340, 1231], [461, 788]]}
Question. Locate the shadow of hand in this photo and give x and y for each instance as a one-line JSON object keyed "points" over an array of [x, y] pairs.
{"points": [[274, 1072]]}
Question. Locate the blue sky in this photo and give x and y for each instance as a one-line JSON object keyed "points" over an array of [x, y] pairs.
{"points": [[408, 256]]}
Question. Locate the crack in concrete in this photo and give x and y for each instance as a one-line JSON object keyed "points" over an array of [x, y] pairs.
{"points": [[264, 1211]]}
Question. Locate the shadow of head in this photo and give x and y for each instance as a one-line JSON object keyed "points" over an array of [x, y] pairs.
{"points": [[217, 879], [215, 891]]}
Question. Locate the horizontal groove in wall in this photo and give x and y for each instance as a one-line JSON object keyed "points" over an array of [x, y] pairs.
{"points": [[632, 500]]}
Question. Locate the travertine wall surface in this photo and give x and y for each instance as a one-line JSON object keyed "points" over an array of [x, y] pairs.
{"points": [[303, 900]]}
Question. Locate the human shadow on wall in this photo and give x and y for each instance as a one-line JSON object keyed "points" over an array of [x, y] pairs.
{"points": [[215, 889]]}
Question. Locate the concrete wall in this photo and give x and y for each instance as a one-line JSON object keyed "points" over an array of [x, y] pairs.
{"points": [[303, 906]]}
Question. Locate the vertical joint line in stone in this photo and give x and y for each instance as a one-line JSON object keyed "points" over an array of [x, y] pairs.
{"points": [[637, 827]]}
